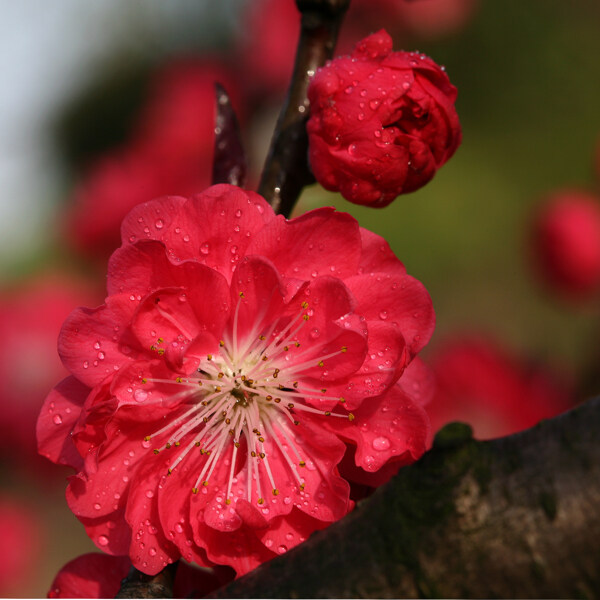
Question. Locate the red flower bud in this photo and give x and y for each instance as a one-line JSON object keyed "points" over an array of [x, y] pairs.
{"points": [[566, 242], [381, 122]]}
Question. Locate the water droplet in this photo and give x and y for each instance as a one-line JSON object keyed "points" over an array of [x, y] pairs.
{"points": [[315, 333], [140, 395], [101, 355], [352, 149], [289, 536], [149, 494], [159, 224], [57, 419], [103, 540], [381, 443], [179, 528], [287, 500], [97, 506], [268, 543], [282, 549], [383, 315], [204, 248], [186, 238], [152, 552]]}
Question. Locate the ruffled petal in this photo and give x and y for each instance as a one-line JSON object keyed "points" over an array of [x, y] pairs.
{"points": [[320, 242], [389, 426], [110, 533], [60, 412], [402, 301], [90, 342], [150, 550]]}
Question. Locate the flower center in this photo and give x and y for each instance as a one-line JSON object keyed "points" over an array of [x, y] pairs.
{"points": [[249, 395]]}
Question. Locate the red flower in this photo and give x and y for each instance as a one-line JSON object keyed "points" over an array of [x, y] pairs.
{"points": [[566, 242], [481, 383], [173, 137], [381, 122], [99, 576], [30, 319], [215, 392]]}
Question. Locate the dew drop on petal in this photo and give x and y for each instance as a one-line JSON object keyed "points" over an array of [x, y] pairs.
{"points": [[159, 224], [57, 419], [140, 395], [97, 506], [186, 238], [282, 549], [381, 443], [383, 315], [179, 528], [103, 540], [152, 552], [204, 248], [268, 543], [149, 494]]}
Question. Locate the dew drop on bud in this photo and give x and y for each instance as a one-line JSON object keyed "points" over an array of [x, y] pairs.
{"points": [[282, 549], [103, 540]]}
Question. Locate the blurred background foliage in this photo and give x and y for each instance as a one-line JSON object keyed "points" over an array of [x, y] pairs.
{"points": [[528, 77]]}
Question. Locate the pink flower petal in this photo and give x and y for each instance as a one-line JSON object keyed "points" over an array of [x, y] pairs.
{"points": [[59, 414]]}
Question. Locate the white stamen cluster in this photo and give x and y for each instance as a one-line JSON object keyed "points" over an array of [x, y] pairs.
{"points": [[248, 391]]}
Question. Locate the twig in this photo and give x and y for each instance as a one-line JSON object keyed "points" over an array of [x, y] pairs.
{"points": [[286, 169]]}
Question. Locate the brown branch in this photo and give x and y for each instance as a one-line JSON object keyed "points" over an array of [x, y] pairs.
{"points": [[513, 517], [140, 585], [286, 169]]}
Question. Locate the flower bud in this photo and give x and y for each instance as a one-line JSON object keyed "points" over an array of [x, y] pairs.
{"points": [[381, 122]]}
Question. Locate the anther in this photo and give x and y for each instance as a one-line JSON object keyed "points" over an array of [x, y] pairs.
{"points": [[275, 492], [302, 463], [350, 417], [167, 446], [241, 294], [342, 399], [327, 413], [209, 356], [221, 343], [156, 451], [305, 304], [177, 444], [321, 363], [144, 380], [147, 438], [344, 348], [261, 501], [194, 490], [160, 340], [277, 400], [291, 405], [178, 380], [205, 483], [228, 501]]}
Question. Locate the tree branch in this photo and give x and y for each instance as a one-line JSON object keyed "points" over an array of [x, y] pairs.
{"points": [[140, 585], [286, 169], [513, 517]]}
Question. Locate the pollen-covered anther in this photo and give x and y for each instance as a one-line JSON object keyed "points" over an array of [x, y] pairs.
{"points": [[156, 451], [261, 501], [344, 349], [228, 501], [275, 492], [144, 380], [321, 363], [350, 417], [302, 463], [194, 490], [167, 445], [147, 438]]}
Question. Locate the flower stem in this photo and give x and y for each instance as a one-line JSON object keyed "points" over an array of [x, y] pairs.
{"points": [[286, 169]]}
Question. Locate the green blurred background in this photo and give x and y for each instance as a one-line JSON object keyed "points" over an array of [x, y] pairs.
{"points": [[528, 75]]}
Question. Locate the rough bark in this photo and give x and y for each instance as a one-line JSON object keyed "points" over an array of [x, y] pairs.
{"points": [[513, 517]]}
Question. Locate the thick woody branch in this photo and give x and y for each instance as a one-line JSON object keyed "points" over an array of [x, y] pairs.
{"points": [[513, 517], [286, 169]]}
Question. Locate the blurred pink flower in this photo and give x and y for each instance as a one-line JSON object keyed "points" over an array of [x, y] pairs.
{"points": [[566, 243], [170, 152], [21, 542], [483, 384], [31, 316]]}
